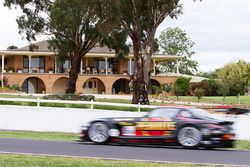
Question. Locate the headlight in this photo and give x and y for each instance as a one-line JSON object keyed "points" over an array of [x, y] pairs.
{"points": [[114, 132]]}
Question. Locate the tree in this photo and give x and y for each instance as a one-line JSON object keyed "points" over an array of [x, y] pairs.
{"points": [[12, 47], [174, 41], [199, 92], [181, 86], [224, 87], [140, 20], [233, 78], [75, 27]]}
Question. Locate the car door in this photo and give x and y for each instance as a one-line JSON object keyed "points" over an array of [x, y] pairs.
{"points": [[160, 122]]}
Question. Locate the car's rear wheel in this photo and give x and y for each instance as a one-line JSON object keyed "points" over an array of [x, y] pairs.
{"points": [[189, 137], [98, 133]]}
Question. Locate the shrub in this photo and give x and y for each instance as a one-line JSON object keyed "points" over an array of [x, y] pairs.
{"points": [[52, 97], [181, 86], [16, 87], [167, 87], [87, 97], [210, 87], [199, 92], [70, 97]]}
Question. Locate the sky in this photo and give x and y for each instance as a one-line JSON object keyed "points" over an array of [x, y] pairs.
{"points": [[220, 29]]}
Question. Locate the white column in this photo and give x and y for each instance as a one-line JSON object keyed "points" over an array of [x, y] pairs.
{"points": [[106, 65], [81, 67], [30, 64], [55, 66], [177, 68], [154, 72], [2, 71], [130, 66]]}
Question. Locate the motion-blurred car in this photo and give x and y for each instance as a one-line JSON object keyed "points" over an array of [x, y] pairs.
{"points": [[230, 110], [188, 127]]}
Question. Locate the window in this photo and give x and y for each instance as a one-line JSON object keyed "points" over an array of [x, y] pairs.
{"points": [[132, 67], [25, 64], [101, 64], [163, 113], [90, 84]]}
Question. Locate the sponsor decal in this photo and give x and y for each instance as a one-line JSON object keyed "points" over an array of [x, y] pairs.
{"points": [[123, 119], [166, 126], [125, 123], [128, 130]]}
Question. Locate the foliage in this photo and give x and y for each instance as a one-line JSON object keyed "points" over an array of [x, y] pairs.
{"points": [[181, 86], [233, 78], [157, 89], [16, 87], [74, 27], [70, 97], [199, 92], [213, 87], [209, 75], [167, 87], [209, 86], [174, 41], [12, 47], [10, 68]]}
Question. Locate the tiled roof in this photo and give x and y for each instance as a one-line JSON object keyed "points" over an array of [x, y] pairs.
{"points": [[43, 46]]}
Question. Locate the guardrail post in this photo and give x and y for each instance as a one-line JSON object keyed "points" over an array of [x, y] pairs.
{"points": [[92, 105], [38, 102], [139, 107]]}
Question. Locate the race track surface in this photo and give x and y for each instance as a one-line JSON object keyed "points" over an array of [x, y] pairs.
{"points": [[148, 153]]}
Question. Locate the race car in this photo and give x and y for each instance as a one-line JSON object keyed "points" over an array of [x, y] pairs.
{"points": [[188, 127]]}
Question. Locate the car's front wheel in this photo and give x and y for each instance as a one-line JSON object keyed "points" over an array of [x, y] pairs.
{"points": [[189, 137], [98, 133]]}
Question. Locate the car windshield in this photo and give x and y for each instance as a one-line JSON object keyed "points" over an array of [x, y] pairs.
{"points": [[201, 113], [163, 113]]}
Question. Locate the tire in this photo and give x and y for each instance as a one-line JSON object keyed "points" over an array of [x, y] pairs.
{"points": [[189, 137], [98, 133]]}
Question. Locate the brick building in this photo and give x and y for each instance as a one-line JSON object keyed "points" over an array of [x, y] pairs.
{"points": [[37, 71]]}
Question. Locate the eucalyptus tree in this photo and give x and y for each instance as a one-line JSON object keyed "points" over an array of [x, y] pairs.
{"points": [[175, 41], [74, 27], [140, 19]]}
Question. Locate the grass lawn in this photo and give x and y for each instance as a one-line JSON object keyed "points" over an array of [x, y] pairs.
{"points": [[205, 99], [214, 99], [17, 96], [39, 135], [240, 144], [7, 160]]}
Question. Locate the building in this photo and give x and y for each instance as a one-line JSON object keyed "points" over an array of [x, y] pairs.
{"points": [[37, 71]]}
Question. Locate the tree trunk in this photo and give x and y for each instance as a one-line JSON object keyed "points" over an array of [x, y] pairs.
{"points": [[73, 74], [140, 91]]}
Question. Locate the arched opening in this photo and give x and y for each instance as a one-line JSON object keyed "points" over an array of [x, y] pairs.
{"points": [[60, 85], [121, 86], [152, 83], [93, 86], [33, 85]]}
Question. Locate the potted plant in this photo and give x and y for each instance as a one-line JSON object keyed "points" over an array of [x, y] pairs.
{"points": [[11, 69], [51, 70]]}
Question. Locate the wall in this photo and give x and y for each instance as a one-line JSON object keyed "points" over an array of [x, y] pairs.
{"points": [[69, 119]]}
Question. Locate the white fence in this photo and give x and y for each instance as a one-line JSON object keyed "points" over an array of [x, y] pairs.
{"points": [[92, 103]]}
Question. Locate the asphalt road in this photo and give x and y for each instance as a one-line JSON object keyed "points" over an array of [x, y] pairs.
{"points": [[74, 148]]}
